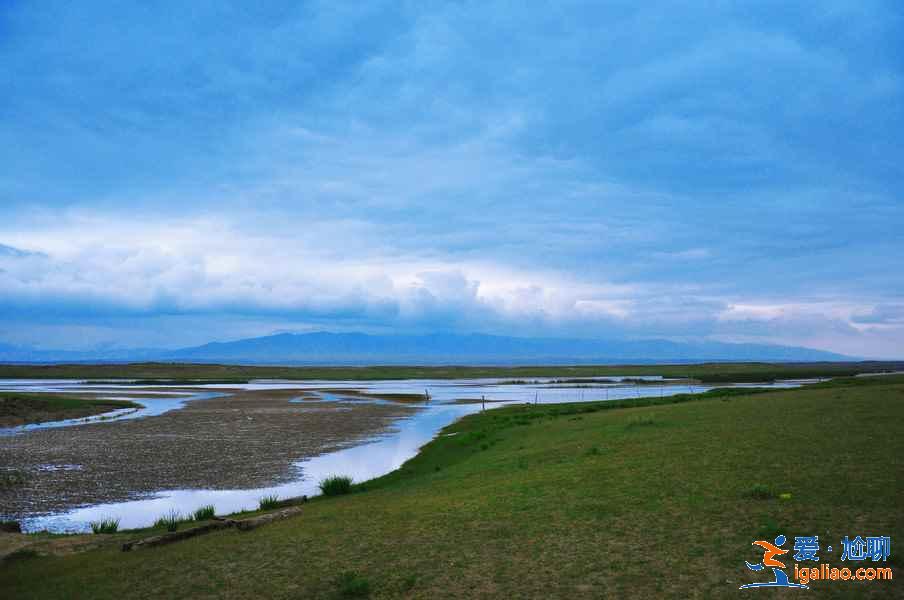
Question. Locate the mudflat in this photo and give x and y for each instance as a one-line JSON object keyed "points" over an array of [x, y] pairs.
{"points": [[245, 439]]}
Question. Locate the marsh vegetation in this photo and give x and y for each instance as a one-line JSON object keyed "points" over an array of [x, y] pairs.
{"points": [[335, 485], [21, 409]]}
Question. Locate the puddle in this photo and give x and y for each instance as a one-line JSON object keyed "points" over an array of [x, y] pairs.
{"points": [[59, 467]]}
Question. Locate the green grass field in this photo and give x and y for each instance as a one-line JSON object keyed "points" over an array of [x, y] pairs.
{"points": [[16, 408], [184, 373], [566, 501]]}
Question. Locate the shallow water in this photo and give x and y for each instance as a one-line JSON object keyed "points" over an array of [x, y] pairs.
{"points": [[361, 462], [364, 461], [149, 407]]}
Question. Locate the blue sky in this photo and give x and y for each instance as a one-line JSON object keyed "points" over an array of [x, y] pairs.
{"points": [[183, 172]]}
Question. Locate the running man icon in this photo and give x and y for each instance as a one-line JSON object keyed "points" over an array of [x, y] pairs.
{"points": [[770, 551]]}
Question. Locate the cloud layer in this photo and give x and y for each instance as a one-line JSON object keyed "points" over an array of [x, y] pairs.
{"points": [[177, 175]]}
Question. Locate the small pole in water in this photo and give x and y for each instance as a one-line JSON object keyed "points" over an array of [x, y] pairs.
{"points": [[536, 398], [483, 403], [426, 395]]}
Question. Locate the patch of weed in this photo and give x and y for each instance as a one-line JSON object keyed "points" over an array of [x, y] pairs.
{"points": [[268, 502], [109, 525], [352, 585], [170, 521], [335, 485], [760, 491], [204, 513]]}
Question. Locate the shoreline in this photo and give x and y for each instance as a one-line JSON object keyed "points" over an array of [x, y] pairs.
{"points": [[248, 439], [705, 372], [559, 473], [310, 399], [19, 409], [556, 409]]}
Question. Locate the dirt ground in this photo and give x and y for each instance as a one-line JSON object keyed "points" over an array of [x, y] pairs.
{"points": [[245, 440]]}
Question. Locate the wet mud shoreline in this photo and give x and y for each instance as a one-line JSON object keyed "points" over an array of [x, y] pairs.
{"points": [[246, 439]]}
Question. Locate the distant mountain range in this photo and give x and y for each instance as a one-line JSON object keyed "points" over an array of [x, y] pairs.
{"points": [[440, 348]]}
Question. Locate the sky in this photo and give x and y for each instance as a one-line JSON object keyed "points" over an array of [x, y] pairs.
{"points": [[174, 173]]}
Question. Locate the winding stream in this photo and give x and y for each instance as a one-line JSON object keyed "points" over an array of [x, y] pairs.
{"points": [[378, 456]]}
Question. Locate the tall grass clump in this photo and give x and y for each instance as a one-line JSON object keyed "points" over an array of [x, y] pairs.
{"points": [[109, 525], [169, 521], [336, 485], [760, 491], [352, 585], [269, 502], [204, 513]]}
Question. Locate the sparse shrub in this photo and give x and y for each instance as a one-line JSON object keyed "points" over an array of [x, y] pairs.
{"points": [[352, 585], [204, 513], [109, 525], [268, 502], [593, 451], [760, 491], [336, 485], [170, 521]]}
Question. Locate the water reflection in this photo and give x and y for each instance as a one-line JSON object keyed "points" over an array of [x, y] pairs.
{"points": [[382, 455], [149, 407], [371, 459]]}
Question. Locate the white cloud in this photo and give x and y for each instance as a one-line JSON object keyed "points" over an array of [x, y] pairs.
{"points": [[94, 266]]}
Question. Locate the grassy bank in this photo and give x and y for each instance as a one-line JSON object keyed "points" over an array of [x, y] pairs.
{"points": [[184, 373], [647, 499], [20, 409]]}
